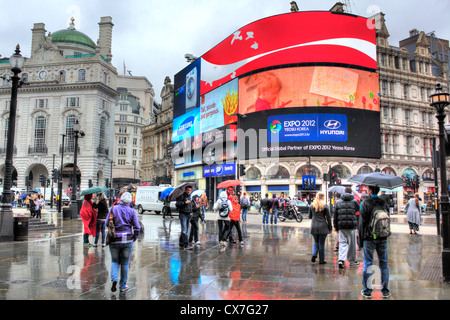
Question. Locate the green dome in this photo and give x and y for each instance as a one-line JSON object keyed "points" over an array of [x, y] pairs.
{"points": [[72, 36]]}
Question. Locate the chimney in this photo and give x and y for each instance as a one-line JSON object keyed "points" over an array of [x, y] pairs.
{"points": [[105, 37], [38, 36]]}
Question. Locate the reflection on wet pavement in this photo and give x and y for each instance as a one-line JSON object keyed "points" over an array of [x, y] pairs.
{"points": [[274, 263]]}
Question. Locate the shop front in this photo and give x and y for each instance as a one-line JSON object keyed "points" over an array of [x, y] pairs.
{"points": [[215, 174], [190, 174]]}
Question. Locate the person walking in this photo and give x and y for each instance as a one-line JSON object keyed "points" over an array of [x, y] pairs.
{"points": [[223, 223], [167, 212], [265, 206], [184, 207], [275, 205], [204, 204], [413, 210], [235, 216], [127, 231], [39, 205], [89, 218], [320, 226], [196, 214], [370, 245], [102, 214], [245, 204], [345, 222]]}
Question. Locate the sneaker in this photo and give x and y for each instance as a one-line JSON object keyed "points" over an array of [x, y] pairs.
{"points": [[242, 243], [125, 289], [366, 294], [189, 248], [386, 294], [198, 242], [322, 262], [95, 246], [341, 264], [354, 264], [114, 286], [313, 259], [103, 245]]}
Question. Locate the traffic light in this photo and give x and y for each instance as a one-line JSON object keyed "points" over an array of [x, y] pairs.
{"points": [[417, 181], [241, 170], [1, 182], [42, 180], [107, 182], [334, 179], [48, 182], [55, 175], [90, 183]]}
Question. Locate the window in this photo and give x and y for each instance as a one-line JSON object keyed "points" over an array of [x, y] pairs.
{"points": [[405, 91], [39, 134], [278, 172], [62, 76], [122, 140], [135, 141], [134, 152], [395, 143], [430, 120], [253, 174], [407, 117], [6, 133], [123, 117], [391, 88], [81, 75], [383, 60], [422, 94], [123, 107], [24, 77], [409, 145], [385, 114], [393, 113], [105, 77], [386, 143], [73, 102], [122, 129], [6, 80], [404, 64], [70, 137], [121, 162], [122, 151], [384, 88], [102, 137], [41, 103]]}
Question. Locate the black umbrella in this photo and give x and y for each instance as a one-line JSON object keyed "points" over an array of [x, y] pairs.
{"points": [[378, 179], [179, 190]]}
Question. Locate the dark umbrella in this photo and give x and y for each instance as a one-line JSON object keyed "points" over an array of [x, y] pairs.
{"points": [[179, 190], [378, 179]]}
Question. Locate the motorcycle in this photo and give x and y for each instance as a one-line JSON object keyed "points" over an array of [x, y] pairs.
{"points": [[289, 212]]}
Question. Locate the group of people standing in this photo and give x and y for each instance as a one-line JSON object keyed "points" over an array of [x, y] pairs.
{"points": [[96, 215], [35, 203], [347, 221]]}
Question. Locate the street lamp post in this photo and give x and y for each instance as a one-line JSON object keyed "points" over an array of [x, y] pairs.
{"points": [[73, 202], [440, 100], [239, 117], [6, 215]]}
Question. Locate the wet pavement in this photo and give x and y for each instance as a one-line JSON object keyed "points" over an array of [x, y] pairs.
{"points": [[273, 264]]}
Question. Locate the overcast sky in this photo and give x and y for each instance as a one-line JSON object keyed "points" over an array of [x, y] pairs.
{"points": [[151, 37]]}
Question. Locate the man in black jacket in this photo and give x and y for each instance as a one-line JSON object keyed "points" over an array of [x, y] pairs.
{"points": [[345, 221], [380, 245], [184, 207], [266, 205]]}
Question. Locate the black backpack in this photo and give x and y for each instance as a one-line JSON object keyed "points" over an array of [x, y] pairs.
{"points": [[223, 209]]}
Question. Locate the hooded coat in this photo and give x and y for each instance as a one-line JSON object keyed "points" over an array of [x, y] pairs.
{"points": [[345, 215], [223, 197], [89, 215]]}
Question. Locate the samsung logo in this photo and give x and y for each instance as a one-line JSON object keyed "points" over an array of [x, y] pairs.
{"points": [[186, 125]]}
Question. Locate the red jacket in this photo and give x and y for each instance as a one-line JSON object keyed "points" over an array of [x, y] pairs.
{"points": [[235, 214]]}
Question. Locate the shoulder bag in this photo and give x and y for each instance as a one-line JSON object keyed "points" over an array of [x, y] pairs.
{"points": [[111, 235]]}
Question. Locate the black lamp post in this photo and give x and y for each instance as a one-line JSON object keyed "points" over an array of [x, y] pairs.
{"points": [[6, 215], [440, 100], [73, 202]]}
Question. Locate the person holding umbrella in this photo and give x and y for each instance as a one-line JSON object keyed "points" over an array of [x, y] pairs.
{"points": [[184, 207]]}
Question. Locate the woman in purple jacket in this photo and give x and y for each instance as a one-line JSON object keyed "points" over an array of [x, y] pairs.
{"points": [[127, 231]]}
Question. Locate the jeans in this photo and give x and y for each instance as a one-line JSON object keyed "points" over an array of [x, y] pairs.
{"points": [[238, 228], [120, 257], [244, 214], [100, 228], [319, 246], [265, 216], [274, 216], [203, 212], [381, 247], [223, 226], [193, 235], [184, 222]]}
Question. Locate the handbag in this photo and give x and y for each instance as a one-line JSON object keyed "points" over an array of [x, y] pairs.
{"points": [[111, 235]]}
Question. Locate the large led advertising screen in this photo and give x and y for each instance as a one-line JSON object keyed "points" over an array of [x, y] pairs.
{"points": [[301, 37]]}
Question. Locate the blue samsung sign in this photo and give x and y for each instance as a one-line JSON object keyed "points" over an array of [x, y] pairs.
{"points": [[219, 170]]}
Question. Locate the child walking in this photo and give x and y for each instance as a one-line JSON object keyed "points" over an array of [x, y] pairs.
{"points": [[235, 216]]}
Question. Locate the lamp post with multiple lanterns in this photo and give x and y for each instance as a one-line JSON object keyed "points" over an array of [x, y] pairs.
{"points": [[6, 215], [73, 202], [440, 100]]}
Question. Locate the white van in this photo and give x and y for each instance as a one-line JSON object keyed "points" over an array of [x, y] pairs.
{"points": [[149, 199], [48, 194]]}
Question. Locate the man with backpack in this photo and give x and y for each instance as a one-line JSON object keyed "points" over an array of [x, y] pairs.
{"points": [[375, 231]]}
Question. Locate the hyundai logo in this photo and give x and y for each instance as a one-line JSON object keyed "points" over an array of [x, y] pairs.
{"points": [[332, 124]]}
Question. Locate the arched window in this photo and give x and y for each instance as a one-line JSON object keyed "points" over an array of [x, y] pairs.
{"points": [[277, 172], [365, 169], [428, 175], [39, 135], [389, 170], [307, 170], [70, 138], [253, 174], [342, 171]]}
